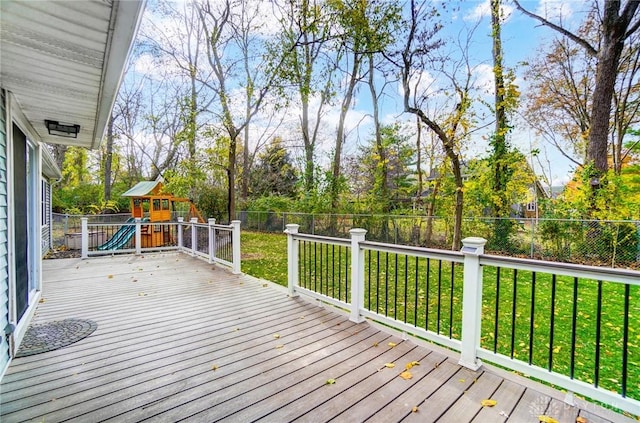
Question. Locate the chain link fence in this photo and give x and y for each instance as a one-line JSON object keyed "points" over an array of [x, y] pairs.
{"points": [[592, 242]]}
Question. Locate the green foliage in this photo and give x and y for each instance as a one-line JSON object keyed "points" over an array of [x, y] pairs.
{"points": [[274, 173], [274, 203]]}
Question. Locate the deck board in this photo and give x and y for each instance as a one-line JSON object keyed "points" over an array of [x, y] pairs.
{"points": [[181, 339]]}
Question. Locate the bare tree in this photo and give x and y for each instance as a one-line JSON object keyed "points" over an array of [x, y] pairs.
{"points": [[617, 22]]}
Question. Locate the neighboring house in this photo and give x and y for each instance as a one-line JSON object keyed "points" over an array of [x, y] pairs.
{"points": [[61, 64]]}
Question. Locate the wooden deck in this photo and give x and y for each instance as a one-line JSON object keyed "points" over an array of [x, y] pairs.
{"points": [[179, 339]]}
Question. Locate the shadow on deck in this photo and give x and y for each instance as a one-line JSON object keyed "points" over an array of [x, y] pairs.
{"points": [[179, 339]]}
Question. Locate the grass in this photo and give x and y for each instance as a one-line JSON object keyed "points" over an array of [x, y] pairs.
{"points": [[428, 294]]}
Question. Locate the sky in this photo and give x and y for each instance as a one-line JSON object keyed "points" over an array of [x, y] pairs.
{"points": [[520, 36]]}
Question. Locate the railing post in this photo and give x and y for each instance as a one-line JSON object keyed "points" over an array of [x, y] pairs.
{"points": [[138, 236], [180, 244], [292, 258], [235, 244], [194, 235], [472, 248], [84, 240], [357, 274], [212, 239]]}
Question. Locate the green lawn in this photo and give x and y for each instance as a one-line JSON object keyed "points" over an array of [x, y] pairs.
{"points": [[428, 294]]}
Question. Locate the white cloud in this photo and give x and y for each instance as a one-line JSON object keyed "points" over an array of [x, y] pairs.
{"points": [[421, 83], [483, 10], [484, 78], [555, 10]]}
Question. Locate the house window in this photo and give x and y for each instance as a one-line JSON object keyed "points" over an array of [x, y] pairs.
{"points": [[46, 203], [531, 206]]}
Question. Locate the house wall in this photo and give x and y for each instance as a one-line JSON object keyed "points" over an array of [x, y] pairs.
{"points": [[4, 245]]}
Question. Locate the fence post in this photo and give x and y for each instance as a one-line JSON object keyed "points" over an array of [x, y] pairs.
{"points": [[292, 258], [472, 248], [235, 244], [212, 239], [357, 274], [180, 220], [84, 240], [138, 236], [194, 235]]}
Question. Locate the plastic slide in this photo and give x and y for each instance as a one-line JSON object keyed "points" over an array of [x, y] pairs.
{"points": [[121, 237]]}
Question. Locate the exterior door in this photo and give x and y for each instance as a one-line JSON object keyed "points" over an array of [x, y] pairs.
{"points": [[21, 219]]}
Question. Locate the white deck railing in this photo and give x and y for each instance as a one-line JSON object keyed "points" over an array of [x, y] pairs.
{"points": [[213, 242], [569, 325]]}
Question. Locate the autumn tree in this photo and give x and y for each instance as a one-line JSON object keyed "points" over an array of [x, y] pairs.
{"points": [[303, 43], [617, 21], [451, 126]]}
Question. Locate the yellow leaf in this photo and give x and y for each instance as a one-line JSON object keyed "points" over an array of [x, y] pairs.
{"points": [[392, 344], [330, 381], [110, 276], [279, 346], [488, 402], [276, 335], [375, 344], [406, 375], [214, 367], [411, 364], [42, 300], [547, 419], [414, 409], [557, 349], [461, 380], [389, 365], [581, 419]]}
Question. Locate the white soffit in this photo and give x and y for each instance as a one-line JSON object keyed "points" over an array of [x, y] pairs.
{"points": [[64, 60]]}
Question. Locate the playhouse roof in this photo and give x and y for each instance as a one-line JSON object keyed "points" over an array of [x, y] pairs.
{"points": [[144, 188]]}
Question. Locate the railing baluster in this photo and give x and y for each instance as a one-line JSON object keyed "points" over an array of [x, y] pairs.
{"points": [[513, 310], [406, 281], [552, 321], [453, 277], [386, 284], [532, 315], [439, 296], [596, 376], [574, 321], [427, 295], [625, 340], [395, 289], [497, 316], [415, 293]]}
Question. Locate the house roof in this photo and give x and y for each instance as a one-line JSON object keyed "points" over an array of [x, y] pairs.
{"points": [[63, 61], [144, 188]]}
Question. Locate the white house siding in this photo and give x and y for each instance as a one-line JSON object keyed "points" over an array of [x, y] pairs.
{"points": [[4, 274]]}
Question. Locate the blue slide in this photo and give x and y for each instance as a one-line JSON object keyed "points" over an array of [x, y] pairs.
{"points": [[121, 237]]}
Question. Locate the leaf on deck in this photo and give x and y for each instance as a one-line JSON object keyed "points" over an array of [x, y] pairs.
{"points": [[547, 419], [488, 402], [389, 365], [406, 375], [414, 409], [330, 381], [581, 419], [392, 344], [276, 335]]}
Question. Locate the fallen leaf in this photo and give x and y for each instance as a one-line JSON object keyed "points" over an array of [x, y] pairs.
{"points": [[330, 381], [557, 349], [276, 335], [110, 276], [389, 365], [406, 375], [264, 285], [279, 346], [461, 380], [42, 300], [375, 344], [414, 409], [547, 419], [135, 280], [214, 367], [392, 344], [488, 402], [141, 294], [581, 419]]}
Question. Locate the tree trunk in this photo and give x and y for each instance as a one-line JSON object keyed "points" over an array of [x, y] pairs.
{"points": [[231, 179]]}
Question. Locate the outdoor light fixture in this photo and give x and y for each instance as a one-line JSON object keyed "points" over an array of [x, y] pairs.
{"points": [[62, 129]]}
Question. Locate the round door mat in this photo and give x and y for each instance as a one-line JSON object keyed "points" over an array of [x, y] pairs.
{"points": [[54, 335]]}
